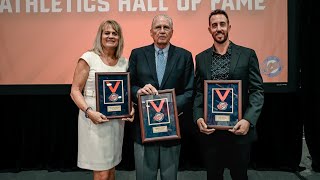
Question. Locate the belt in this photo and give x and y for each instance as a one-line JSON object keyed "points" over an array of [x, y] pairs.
{"points": [[91, 93]]}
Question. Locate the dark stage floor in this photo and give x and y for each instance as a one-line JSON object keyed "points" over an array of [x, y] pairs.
{"points": [[307, 174]]}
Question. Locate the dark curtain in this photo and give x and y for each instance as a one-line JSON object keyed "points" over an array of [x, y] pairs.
{"points": [[309, 58], [279, 144], [40, 131]]}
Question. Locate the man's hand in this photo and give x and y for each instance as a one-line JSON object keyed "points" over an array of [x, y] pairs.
{"points": [[203, 127], [241, 128], [147, 89], [131, 118]]}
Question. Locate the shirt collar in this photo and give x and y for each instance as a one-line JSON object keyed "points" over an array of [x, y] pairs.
{"points": [[228, 50], [165, 50]]}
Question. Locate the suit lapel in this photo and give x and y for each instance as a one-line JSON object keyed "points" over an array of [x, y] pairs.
{"points": [[235, 54], [171, 61], [151, 60], [207, 60]]}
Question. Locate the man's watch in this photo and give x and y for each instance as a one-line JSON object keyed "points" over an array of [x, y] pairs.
{"points": [[86, 112]]}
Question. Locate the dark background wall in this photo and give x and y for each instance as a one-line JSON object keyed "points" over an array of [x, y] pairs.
{"points": [[40, 131]]}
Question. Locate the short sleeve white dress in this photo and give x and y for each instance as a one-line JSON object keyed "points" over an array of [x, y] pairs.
{"points": [[99, 145]]}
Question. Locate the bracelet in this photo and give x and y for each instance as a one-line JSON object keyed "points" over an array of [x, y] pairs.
{"points": [[86, 112]]}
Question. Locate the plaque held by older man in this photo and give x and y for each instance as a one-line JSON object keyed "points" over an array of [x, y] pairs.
{"points": [[113, 94], [222, 103], [158, 116]]}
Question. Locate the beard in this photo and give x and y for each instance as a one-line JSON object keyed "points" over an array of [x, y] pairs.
{"points": [[219, 40]]}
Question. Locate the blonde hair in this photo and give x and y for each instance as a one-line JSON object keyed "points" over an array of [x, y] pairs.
{"points": [[97, 46]]}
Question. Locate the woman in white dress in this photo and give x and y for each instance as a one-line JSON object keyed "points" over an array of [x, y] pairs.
{"points": [[99, 140]]}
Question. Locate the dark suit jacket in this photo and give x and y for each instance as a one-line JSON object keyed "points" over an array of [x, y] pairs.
{"points": [[179, 74], [244, 66]]}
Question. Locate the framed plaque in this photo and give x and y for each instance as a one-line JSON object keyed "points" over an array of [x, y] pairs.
{"points": [[222, 103], [113, 96], [159, 116]]}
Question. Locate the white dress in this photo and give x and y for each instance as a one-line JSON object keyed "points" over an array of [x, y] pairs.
{"points": [[99, 145]]}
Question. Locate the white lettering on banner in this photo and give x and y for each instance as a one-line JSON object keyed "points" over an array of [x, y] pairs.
{"points": [[187, 3], [258, 6], [86, 7], [185, 7], [194, 4], [17, 6], [32, 3], [227, 4], [5, 5], [124, 3], [69, 5], [43, 7], [138, 4], [162, 7], [244, 2], [79, 6], [150, 7], [141, 5], [54, 6], [230, 4], [92, 6], [105, 7]]}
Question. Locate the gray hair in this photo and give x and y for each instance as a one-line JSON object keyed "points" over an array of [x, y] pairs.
{"points": [[165, 16]]}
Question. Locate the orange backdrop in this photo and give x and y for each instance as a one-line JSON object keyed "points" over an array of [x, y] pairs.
{"points": [[41, 40]]}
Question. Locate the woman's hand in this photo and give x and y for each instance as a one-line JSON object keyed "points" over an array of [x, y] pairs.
{"points": [[97, 117]]}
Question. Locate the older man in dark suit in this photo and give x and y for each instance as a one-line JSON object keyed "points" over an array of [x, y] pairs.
{"points": [[159, 66], [228, 61]]}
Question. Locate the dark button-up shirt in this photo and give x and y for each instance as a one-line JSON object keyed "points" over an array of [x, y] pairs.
{"points": [[220, 65]]}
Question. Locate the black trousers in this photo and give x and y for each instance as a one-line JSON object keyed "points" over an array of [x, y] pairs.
{"points": [[235, 157]]}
